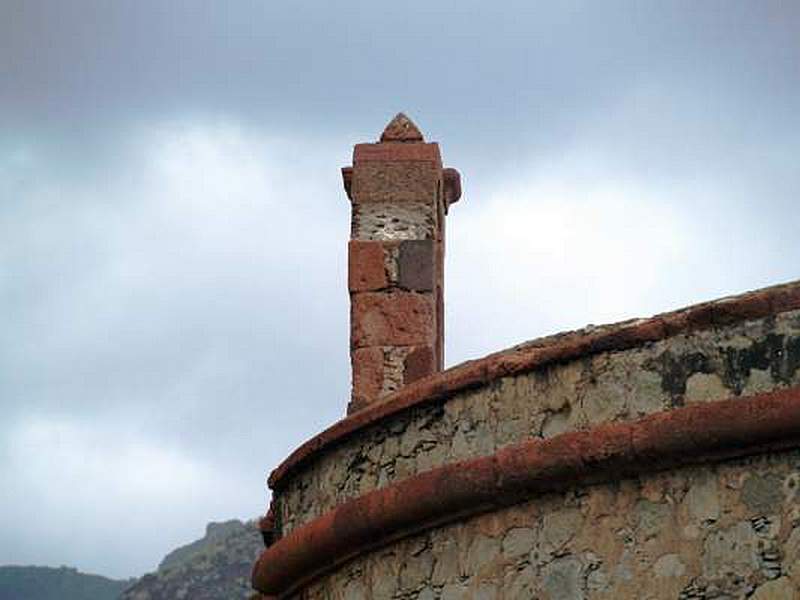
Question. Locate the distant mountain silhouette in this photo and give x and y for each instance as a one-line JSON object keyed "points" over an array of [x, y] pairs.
{"points": [[214, 567], [64, 583]]}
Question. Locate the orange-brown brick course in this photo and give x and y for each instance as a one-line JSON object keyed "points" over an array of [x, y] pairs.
{"points": [[684, 436]]}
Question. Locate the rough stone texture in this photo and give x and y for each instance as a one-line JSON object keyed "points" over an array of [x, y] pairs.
{"points": [[394, 360], [399, 193], [367, 270], [417, 265], [418, 363], [412, 220], [401, 129], [395, 182], [596, 389], [368, 375], [392, 319], [633, 539]]}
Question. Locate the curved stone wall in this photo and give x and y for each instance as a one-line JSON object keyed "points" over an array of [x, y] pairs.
{"points": [[750, 357], [688, 532], [718, 531]]}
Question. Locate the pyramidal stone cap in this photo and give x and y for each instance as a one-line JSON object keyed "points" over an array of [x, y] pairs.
{"points": [[401, 129]]}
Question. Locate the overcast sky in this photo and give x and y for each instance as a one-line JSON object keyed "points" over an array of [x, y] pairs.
{"points": [[173, 305]]}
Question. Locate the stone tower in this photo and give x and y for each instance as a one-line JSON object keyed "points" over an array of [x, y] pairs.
{"points": [[400, 195], [653, 458]]}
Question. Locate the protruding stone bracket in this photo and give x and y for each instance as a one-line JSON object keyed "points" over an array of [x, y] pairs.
{"points": [[452, 186], [347, 179]]}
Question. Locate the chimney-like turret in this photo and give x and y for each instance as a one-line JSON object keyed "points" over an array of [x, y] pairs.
{"points": [[400, 195]]}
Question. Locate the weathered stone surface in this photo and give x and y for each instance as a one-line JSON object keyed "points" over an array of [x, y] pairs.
{"points": [[367, 270], [385, 221], [702, 500], [705, 387], [418, 363], [368, 374], [392, 319], [562, 579], [544, 403], [669, 565], [482, 552], [401, 129], [730, 551], [763, 494], [519, 541], [416, 265], [603, 543], [779, 589], [395, 182]]}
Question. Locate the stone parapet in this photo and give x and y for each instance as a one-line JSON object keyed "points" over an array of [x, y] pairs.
{"points": [[477, 418]]}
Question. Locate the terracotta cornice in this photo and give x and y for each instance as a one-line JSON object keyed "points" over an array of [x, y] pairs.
{"points": [[553, 349], [690, 435]]}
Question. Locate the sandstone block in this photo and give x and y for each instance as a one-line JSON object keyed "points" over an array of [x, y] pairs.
{"points": [[419, 363], [367, 374], [416, 265], [366, 266], [390, 181], [392, 319]]}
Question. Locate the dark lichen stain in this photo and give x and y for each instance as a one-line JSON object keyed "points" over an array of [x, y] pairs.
{"points": [[676, 370], [776, 353]]}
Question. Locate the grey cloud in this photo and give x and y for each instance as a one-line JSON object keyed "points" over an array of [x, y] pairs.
{"points": [[522, 71], [172, 224]]}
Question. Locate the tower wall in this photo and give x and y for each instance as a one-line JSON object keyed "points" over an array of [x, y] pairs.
{"points": [[400, 194]]}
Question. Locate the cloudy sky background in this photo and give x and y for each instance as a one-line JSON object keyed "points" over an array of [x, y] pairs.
{"points": [[173, 310]]}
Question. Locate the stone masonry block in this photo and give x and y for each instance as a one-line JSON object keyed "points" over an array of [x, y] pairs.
{"points": [[392, 319], [366, 266], [416, 265], [395, 182], [368, 374], [429, 153], [419, 363], [385, 221]]}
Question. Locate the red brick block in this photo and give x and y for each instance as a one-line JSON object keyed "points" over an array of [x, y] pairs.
{"points": [[366, 266], [368, 374], [416, 265], [392, 319], [414, 152], [419, 363]]}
